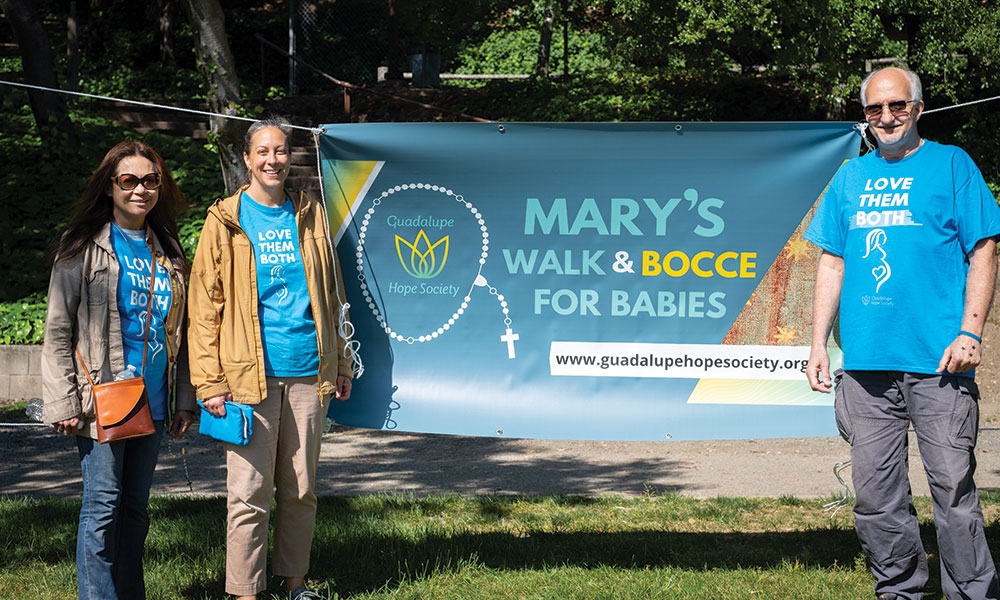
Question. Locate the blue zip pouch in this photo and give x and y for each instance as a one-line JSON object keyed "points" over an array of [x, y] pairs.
{"points": [[234, 428]]}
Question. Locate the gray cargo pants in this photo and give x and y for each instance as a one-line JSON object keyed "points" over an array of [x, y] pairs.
{"points": [[874, 410]]}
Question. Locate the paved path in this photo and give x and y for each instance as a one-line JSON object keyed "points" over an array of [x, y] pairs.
{"points": [[38, 463]]}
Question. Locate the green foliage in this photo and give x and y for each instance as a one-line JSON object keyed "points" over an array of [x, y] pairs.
{"points": [[628, 60], [633, 97], [502, 52], [516, 51], [15, 412], [43, 181], [127, 49], [23, 322], [151, 80], [447, 547], [822, 51]]}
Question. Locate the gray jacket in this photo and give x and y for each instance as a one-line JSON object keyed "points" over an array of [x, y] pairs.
{"points": [[83, 313]]}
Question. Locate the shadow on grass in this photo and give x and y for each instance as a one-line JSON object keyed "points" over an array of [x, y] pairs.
{"points": [[370, 565], [366, 544], [358, 551], [375, 564]]}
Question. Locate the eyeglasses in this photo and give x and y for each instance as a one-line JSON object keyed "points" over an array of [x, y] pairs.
{"points": [[898, 108], [128, 182]]}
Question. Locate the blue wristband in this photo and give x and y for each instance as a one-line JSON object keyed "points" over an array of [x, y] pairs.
{"points": [[971, 335]]}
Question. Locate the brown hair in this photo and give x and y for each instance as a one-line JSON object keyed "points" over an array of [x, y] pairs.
{"points": [[94, 209]]}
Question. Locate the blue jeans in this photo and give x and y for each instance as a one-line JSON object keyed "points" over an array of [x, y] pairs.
{"points": [[113, 518]]}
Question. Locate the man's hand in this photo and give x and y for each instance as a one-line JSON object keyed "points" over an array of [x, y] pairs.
{"points": [[818, 370], [963, 354], [181, 423]]}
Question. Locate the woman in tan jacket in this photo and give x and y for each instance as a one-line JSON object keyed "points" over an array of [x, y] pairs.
{"points": [[264, 307]]}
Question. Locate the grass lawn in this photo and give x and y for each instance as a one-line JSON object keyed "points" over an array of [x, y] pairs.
{"points": [[452, 548]]}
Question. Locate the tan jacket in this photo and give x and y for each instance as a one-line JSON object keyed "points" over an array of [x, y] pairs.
{"points": [[224, 343], [82, 313]]}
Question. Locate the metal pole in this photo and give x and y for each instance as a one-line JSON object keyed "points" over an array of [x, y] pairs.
{"points": [[293, 14]]}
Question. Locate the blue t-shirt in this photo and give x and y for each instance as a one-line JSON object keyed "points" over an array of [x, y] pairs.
{"points": [[288, 331], [904, 229], [134, 260]]}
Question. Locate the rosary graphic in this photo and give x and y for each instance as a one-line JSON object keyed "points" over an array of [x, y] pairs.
{"points": [[427, 262]]}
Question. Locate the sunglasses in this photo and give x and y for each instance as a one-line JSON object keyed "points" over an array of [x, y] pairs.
{"points": [[128, 182], [898, 108]]}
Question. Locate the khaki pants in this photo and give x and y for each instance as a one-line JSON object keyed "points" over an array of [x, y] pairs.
{"points": [[279, 463]]}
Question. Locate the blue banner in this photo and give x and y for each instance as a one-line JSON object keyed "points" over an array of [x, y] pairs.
{"points": [[618, 281]]}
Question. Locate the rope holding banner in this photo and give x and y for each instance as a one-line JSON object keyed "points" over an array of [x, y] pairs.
{"points": [[862, 129], [345, 329]]}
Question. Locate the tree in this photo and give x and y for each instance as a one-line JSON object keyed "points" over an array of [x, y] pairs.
{"points": [[49, 111], [218, 69]]}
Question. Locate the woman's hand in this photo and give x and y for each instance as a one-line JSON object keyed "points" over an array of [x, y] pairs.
{"points": [[343, 391], [181, 423], [70, 426], [217, 404]]}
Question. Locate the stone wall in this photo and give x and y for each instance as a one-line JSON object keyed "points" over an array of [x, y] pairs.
{"points": [[20, 372]]}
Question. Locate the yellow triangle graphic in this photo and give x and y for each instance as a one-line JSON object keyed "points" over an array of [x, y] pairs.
{"points": [[345, 183]]}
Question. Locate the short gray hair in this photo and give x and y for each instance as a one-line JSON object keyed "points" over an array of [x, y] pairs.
{"points": [[916, 88]]}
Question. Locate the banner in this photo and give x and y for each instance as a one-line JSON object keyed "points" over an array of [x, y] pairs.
{"points": [[616, 281]]}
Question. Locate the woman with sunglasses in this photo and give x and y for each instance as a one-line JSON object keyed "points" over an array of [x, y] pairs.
{"points": [[122, 226], [265, 303]]}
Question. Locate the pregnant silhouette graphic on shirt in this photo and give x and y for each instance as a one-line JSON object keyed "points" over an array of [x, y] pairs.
{"points": [[875, 241]]}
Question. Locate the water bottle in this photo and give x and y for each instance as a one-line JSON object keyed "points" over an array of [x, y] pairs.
{"points": [[128, 372], [34, 409]]}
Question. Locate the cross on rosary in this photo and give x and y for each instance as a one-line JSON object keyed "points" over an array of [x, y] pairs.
{"points": [[510, 337]]}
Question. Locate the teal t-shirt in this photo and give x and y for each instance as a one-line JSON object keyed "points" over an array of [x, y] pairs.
{"points": [[288, 331], [904, 229], [135, 260]]}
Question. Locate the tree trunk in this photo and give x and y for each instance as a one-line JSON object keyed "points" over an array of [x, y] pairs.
{"points": [[545, 42], [72, 50], [165, 12], [218, 70], [51, 118]]}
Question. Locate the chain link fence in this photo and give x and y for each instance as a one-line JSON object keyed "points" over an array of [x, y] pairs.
{"points": [[346, 39]]}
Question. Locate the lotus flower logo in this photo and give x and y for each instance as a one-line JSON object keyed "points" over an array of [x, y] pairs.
{"points": [[421, 259]]}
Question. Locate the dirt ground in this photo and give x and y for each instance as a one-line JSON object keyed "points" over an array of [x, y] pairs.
{"points": [[39, 463]]}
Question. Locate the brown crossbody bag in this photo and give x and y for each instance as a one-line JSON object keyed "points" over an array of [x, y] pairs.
{"points": [[122, 406]]}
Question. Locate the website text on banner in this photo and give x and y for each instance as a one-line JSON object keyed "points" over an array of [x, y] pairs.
{"points": [[481, 260]]}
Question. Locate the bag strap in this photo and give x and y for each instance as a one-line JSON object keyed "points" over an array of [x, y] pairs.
{"points": [[149, 316], [86, 371], [149, 309]]}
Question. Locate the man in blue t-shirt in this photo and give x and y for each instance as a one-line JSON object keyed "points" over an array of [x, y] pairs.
{"points": [[908, 234]]}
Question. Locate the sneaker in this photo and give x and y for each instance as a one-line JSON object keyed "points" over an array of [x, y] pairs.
{"points": [[301, 593], [887, 596]]}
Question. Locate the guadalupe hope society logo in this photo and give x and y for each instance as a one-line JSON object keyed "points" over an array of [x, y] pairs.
{"points": [[420, 281], [419, 258]]}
